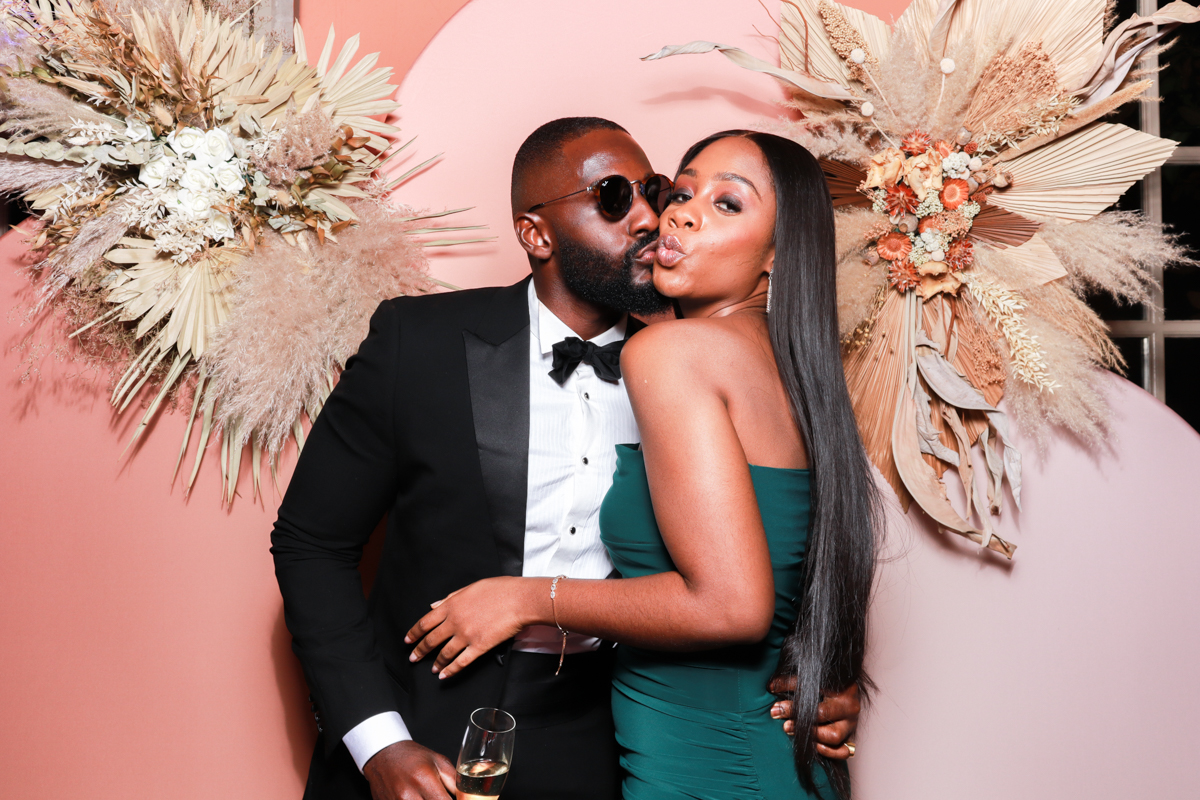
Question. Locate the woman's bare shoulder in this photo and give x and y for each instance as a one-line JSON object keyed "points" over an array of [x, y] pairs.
{"points": [[696, 345]]}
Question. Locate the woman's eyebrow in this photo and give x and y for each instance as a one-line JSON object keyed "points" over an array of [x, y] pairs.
{"points": [[733, 176], [723, 176]]}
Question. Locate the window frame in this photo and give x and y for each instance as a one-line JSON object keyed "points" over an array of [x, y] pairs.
{"points": [[1154, 329]]}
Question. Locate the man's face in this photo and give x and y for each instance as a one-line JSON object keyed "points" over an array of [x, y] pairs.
{"points": [[605, 261]]}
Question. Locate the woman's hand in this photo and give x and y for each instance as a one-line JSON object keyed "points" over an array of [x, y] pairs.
{"points": [[473, 620]]}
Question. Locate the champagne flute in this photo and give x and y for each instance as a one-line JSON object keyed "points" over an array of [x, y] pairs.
{"points": [[486, 754]]}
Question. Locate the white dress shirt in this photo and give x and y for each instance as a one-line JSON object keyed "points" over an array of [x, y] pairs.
{"points": [[573, 433]]}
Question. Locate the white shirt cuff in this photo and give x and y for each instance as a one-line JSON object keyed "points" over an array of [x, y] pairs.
{"points": [[373, 734]]}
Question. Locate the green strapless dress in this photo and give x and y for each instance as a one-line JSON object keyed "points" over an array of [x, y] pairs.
{"points": [[698, 725]]}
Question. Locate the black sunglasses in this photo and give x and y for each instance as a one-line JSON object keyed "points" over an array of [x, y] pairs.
{"points": [[614, 194]]}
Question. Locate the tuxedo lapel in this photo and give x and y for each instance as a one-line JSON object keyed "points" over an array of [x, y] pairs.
{"points": [[497, 353]]}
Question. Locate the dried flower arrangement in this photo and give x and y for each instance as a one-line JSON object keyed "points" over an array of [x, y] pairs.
{"points": [[970, 172], [210, 215]]}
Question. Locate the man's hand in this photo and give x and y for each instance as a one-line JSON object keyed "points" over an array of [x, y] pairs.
{"points": [[408, 771], [837, 716]]}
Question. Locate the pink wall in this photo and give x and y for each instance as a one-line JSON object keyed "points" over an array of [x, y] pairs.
{"points": [[143, 648]]}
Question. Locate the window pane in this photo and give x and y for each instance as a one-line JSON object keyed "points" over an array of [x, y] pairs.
{"points": [[1181, 285], [1125, 9], [1108, 308], [1183, 378], [1179, 84], [1134, 350]]}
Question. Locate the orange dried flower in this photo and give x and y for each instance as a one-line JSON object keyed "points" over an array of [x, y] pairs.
{"points": [[954, 193], [916, 143], [900, 199], [960, 256], [970, 148], [902, 275], [943, 148], [893, 247]]}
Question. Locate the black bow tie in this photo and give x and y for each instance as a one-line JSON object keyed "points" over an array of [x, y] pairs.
{"points": [[570, 351]]}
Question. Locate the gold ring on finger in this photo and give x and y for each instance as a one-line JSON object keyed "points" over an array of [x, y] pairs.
{"points": [[851, 748]]}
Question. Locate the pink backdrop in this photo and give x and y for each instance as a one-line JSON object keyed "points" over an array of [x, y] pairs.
{"points": [[143, 647]]}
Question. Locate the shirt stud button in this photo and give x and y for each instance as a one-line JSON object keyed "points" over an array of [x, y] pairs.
{"points": [[572, 529], [587, 396], [585, 461]]}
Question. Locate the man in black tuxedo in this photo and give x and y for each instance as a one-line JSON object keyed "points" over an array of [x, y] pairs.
{"points": [[431, 424]]}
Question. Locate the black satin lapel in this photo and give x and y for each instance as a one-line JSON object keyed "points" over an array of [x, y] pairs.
{"points": [[499, 378]]}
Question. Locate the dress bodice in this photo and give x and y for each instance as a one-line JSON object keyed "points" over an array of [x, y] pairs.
{"points": [[732, 678]]}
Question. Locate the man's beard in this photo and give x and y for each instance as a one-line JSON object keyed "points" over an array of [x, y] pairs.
{"points": [[593, 276]]}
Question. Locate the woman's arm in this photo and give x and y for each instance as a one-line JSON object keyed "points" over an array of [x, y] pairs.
{"points": [[723, 590]]}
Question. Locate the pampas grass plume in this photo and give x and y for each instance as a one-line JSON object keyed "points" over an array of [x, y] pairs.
{"points": [[298, 316], [857, 283], [1115, 252]]}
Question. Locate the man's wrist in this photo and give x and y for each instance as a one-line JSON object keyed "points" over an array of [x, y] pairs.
{"points": [[373, 734]]}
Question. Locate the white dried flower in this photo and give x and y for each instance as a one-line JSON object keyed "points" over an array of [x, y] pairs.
{"points": [[867, 109], [975, 164], [858, 55], [138, 131], [946, 66], [956, 165], [229, 177], [217, 146], [198, 177], [219, 226], [191, 203], [187, 141]]}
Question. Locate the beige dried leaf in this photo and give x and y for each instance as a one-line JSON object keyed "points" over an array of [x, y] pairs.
{"points": [[1080, 175]]}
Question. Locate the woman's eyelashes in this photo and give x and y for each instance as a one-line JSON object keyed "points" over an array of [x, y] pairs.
{"points": [[728, 204], [725, 203]]}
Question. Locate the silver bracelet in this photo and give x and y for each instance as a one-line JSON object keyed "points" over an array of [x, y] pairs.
{"points": [[554, 607]]}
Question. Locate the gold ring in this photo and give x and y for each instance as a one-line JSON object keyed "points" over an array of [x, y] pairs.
{"points": [[850, 747]]}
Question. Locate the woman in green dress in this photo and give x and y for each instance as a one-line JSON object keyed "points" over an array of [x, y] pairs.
{"points": [[744, 526]]}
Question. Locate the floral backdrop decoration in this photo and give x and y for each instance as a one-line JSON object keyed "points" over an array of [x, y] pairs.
{"points": [[211, 212], [971, 170]]}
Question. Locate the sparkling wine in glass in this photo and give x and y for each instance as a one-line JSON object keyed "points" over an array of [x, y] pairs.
{"points": [[486, 754]]}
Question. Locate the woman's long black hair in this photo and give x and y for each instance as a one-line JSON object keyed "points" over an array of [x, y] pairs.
{"points": [[825, 650]]}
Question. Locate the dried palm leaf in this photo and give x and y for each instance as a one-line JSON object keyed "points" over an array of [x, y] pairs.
{"points": [[995, 226], [1080, 175], [875, 377], [1123, 47], [816, 86], [843, 181], [807, 43], [1031, 263]]}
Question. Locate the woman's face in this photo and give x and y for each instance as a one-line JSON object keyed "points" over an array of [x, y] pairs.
{"points": [[716, 236]]}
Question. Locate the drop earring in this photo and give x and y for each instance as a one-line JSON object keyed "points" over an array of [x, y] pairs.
{"points": [[769, 292]]}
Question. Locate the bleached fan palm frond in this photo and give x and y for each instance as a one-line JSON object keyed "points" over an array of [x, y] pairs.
{"points": [[1080, 175], [806, 45]]}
